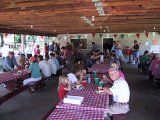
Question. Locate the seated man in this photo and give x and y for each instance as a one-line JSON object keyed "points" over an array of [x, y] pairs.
{"points": [[144, 61], [91, 61], [44, 67], [120, 91], [53, 57], [9, 62]]}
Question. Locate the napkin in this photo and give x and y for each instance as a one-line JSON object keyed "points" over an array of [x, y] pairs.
{"points": [[77, 100]]}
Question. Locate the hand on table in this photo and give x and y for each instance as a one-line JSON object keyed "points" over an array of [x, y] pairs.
{"points": [[100, 88]]}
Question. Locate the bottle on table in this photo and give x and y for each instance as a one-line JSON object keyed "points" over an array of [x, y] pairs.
{"points": [[89, 78]]}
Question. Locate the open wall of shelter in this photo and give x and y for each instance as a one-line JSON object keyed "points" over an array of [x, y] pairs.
{"points": [[150, 42]]}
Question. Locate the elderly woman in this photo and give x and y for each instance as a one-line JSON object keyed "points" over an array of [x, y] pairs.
{"points": [[155, 66], [35, 72]]}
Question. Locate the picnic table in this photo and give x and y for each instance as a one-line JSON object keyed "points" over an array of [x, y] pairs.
{"points": [[63, 114], [93, 106], [92, 100], [13, 75], [99, 68], [13, 81]]}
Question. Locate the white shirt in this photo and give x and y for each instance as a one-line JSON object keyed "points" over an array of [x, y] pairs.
{"points": [[72, 77], [28, 50], [120, 90], [52, 66], [5, 50], [45, 68]]}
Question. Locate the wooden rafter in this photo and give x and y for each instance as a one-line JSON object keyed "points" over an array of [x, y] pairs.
{"points": [[51, 17]]}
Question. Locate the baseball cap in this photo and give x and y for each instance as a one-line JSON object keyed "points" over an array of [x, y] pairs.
{"points": [[113, 69], [32, 59]]}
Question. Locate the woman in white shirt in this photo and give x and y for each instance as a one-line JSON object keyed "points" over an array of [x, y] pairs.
{"points": [[52, 65]]}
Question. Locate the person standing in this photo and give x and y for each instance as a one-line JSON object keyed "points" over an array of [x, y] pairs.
{"points": [[94, 47], [5, 50], [119, 53], [78, 51], [46, 48], [51, 47], [114, 46], [120, 92], [38, 52], [135, 52], [28, 51]]}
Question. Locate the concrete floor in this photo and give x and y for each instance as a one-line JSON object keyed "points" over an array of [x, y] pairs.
{"points": [[144, 101]]}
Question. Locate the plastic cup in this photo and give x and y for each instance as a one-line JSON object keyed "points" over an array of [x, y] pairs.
{"points": [[84, 83], [96, 81], [101, 84], [95, 74]]}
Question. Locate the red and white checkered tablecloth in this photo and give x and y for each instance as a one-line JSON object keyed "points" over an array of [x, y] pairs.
{"points": [[63, 114], [100, 68], [12, 75], [92, 100]]}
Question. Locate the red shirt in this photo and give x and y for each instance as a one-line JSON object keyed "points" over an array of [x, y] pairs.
{"points": [[38, 51], [62, 92]]}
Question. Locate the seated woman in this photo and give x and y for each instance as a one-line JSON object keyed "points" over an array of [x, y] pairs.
{"points": [[9, 62], [64, 86], [155, 66], [52, 65], [35, 72], [22, 61]]}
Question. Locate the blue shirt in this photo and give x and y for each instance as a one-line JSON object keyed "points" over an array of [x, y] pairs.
{"points": [[35, 70], [9, 63], [56, 62]]}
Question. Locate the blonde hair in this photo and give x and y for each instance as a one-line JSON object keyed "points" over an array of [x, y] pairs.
{"points": [[62, 79]]}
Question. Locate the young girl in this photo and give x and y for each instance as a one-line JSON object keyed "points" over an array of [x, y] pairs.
{"points": [[64, 86]]}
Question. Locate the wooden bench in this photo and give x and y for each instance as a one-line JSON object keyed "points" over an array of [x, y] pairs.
{"points": [[37, 85], [119, 117]]}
